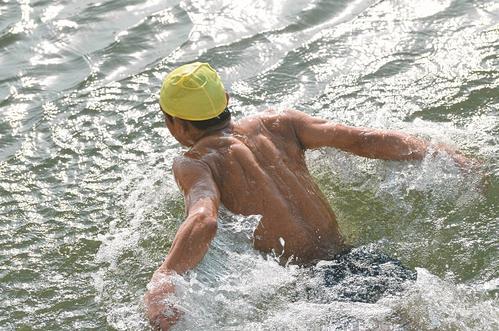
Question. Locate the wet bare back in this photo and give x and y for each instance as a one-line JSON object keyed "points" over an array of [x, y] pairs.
{"points": [[259, 167]]}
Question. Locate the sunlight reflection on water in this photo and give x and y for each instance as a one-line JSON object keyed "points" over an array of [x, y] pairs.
{"points": [[89, 207]]}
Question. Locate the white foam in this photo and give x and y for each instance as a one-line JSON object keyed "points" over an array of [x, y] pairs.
{"points": [[436, 304]]}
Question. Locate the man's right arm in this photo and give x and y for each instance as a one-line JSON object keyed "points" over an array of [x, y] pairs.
{"points": [[191, 241]]}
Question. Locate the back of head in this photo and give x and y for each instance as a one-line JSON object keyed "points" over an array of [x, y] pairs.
{"points": [[193, 92]]}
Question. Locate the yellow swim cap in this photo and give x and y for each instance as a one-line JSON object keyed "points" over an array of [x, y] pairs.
{"points": [[193, 92]]}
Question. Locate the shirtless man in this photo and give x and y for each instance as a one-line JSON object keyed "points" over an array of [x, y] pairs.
{"points": [[254, 166]]}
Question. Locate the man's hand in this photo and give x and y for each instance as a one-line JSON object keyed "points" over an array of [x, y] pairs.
{"points": [[465, 163], [162, 314]]}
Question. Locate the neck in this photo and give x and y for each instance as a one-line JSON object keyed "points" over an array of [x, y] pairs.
{"points": [[223, 127]]}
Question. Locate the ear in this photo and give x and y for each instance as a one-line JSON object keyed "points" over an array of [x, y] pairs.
{"points": [[168, 119], [184, 127]]}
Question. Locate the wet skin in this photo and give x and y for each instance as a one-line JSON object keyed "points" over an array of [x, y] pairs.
{"points": [[257, 166]]}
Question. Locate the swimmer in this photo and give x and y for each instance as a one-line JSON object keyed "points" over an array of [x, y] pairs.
{"points": [[255, 166]]}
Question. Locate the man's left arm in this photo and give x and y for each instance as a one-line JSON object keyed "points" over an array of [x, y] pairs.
{"points": [[314, 132]]}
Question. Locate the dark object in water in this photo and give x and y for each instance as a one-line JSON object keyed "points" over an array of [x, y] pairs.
{"points": [[361, 275]]}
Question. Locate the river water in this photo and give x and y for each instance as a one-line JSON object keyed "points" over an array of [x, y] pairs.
{"points": [[88, 205]]}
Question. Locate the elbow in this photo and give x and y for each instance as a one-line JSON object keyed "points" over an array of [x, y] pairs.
{"points": [[210, 225], [205, 221]]}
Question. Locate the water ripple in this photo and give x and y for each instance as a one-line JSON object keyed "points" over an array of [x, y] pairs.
{"points": [[88, 206]]}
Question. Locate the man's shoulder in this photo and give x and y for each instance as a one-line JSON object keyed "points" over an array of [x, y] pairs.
{"points": [[209, 145], [204, 153], [182, 161], [270, 118], [281, 122], [188, 158], [273, 114], [188, 164]]}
